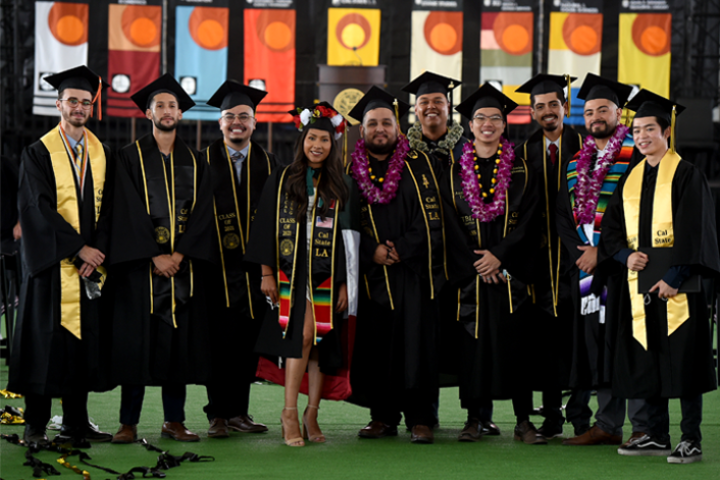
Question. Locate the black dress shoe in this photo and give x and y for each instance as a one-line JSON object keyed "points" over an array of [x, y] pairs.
{"points": [[490, 429], [92, 434], [35, 435], [76, 434], [551, 430]]}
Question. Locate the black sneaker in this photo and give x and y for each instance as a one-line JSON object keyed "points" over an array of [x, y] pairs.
{"points": [[490, 429], [645, 446], [687, 451], [551, 430]]}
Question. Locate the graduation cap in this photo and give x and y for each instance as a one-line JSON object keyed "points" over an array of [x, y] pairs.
{"points": [[543, 83], [233, 93], [81, 78], [376, 97], [430, 82], [164, 84], [322, 116], [486, 96], [595, 87], [648, 104]]}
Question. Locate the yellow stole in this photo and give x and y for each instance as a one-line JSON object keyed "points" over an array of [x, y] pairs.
{"points": [[662, 237], [69, 209]]}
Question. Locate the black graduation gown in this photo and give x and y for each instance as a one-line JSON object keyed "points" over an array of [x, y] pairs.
{"points": [[262, 250], [145, 349], [46, 358], [9, 178], [552, 325], [241, 320], [395, 348], [680, 364], [490, 365], [444, 161]]}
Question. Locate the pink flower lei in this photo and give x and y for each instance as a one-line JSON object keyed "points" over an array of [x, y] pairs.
{"points": [[589, 184], [486, 212], [360, 172]]}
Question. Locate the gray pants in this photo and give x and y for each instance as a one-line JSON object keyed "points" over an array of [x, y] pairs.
{"points": [[610, 415]]}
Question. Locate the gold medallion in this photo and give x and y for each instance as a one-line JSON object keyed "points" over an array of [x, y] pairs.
{"points": [[231, 241], [286, 247], [162, 235], [346, 100]]}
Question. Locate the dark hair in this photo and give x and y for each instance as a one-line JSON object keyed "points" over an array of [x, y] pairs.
{"points": [[332, 183], [60, 94], [663, 123], [561, 98]]}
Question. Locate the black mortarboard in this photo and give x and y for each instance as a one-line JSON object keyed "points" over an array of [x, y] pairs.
{"points": [[376, 97], [649, 104], [164, 84], [80, 77], [543, 83], [430, 82], [323, 122], [486, 96], [595, 87], [233, 93]]}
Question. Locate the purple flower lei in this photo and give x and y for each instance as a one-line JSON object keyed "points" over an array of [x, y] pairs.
{"points": [[589, 184], [360, 172], [486, 212]]}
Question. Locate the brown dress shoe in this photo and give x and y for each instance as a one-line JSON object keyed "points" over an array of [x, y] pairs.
{"points": [[594, 436], [472, 432], [126, 434], [527, 433], [245, 424], [422, 434], [218, 428], [377, 429], [177, 431], [632, 437]]}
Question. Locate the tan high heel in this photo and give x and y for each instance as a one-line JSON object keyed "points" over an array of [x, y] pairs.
{"points": [[316, 438], [290, 442]]}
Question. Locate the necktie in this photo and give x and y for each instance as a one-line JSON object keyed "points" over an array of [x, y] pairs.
{"points": [[553, 153], [78, 154], [237, 160]]}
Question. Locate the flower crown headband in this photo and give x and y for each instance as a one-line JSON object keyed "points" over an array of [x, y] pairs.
{"points": [[305, 117]]}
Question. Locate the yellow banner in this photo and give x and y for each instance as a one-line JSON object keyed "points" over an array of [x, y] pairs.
{"points": [[353, 36], [644, 51]]}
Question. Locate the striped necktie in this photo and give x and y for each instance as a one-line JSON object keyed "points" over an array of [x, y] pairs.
{"points": [[78, 154]]}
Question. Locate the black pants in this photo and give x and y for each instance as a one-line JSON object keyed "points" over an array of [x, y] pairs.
{"points": [[691, 408], [481, 409], [132, 396], [227, 399], [417, 407], [75, 414], [577, 409]]}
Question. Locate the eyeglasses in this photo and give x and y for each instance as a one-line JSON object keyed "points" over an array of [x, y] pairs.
{"points": [[495, 119], [243, 117], [74, 102]]}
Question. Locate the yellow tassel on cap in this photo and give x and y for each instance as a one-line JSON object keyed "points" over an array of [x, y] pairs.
{"points": [[672, 129], [397, 114]]}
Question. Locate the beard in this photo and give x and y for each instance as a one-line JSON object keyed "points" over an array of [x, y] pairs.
{"points": [[380, 149], [606, 131], [76, 121], [165, 128]]}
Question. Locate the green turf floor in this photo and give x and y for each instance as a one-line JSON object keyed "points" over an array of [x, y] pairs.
{"points": [[263, 456]]}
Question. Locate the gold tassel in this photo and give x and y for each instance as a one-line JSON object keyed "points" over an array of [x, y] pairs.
{"points": [[569, 94], [672, 129], [345, 149], [397, 114]]}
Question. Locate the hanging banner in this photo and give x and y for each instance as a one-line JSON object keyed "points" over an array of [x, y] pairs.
{"points": [[436, 42], [575, 45], [270, 56], [644, 45], [506, 48], [61, 43], [354, 33], [201, 44], [134, 34]]}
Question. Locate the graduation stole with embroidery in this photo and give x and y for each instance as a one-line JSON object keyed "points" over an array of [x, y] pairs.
{"points": [[170, 194], [678, 310], [321, 261], [233, 226], [66, 175], [472, 225], [591, 303]]}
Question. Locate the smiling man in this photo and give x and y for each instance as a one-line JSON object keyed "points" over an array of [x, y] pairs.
{"points": [[547, 152], [159, 254], [239, 168], [63, 207], [395, 359], [589, 181]]}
